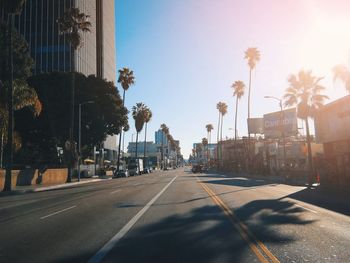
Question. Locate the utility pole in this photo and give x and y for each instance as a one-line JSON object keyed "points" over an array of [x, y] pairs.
{"points": [[281, 127]]}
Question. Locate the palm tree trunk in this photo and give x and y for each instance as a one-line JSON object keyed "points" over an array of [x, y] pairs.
{"points": [[162, 152], [144, 147], [137, 137], [236, 119], [250, 84], [218, 134], [120, 136], [309, 152], [8, 176], [217, 140], [222, 121]]}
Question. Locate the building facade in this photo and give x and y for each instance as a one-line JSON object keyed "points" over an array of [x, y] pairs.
{"points": [[52, 52]]}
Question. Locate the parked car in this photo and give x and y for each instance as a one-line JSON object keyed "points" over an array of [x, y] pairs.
{"points": [[196, 168], [121, 173]]}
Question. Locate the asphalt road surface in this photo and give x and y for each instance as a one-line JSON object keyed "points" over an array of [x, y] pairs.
{"points": [[172, 216]]}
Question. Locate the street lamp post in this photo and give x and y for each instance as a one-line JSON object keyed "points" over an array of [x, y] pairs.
{"points": [[79, 141], [282, 126]]}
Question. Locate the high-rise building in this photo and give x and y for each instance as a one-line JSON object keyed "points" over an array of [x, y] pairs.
{"points": [[52, 52], [159, 136]]}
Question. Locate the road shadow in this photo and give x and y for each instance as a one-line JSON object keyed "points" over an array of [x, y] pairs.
{"points": [[203, 234], [330, 200]]}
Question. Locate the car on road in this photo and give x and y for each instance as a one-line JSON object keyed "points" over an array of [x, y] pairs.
{"points": [[121, 173], [197, 168]]}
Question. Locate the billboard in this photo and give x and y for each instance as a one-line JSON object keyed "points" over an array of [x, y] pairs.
{"points": [[332, 122], [256, 126], [276, 122]]}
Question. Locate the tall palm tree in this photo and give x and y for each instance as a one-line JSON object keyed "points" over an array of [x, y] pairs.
{"points": [[205, 145], [342, 73], [148, 117], [209, 128], [165, 131], [218, 107], [138, 113], [238, 92], [72, 25], [305, 92], [223, 112], [252, 54], [126, 79]]}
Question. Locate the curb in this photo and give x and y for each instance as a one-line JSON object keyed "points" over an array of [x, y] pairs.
{"points": [[51, 187]]}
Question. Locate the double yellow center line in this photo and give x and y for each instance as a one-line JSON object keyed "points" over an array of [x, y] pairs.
{"points": [[259, 249]]}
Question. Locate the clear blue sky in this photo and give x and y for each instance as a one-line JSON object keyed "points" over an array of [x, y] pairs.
{"points": [[187, 53]]}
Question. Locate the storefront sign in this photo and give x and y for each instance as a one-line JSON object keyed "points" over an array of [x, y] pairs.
{"points": [[278, 122]]}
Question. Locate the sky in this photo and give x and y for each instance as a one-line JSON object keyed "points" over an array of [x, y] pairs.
{"points": [[186, 54]]}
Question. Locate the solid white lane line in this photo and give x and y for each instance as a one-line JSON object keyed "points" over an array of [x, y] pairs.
{"points": [[313, 211], [114, 240], [63, 210], [116, 191]]}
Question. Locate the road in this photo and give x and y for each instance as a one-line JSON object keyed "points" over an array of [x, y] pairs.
{"points": [[172, 216]]}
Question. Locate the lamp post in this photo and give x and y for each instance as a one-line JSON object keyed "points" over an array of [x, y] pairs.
{"points": [[79, 141], [282, 125]]}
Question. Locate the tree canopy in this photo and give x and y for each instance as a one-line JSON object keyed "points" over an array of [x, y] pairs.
{"points": [[106, 116]]}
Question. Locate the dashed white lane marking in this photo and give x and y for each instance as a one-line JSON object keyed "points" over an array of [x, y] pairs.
{"points": [[116, 191], [55, 213], [308, 209], [114, 240]]}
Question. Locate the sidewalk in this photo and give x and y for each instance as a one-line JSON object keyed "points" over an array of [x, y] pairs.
{"points": [[40, 188]]}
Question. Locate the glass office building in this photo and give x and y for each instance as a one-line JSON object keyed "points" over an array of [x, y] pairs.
{"points": [[51, 51]]}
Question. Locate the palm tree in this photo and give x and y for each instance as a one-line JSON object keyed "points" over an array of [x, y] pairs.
{"points": [[165, 131], [126, 79], [238, 92], [342, 73], [223, 111], [222, 107], [72, 25], [205, 145], [138, 113], [148, 117], [252, 54], [209, 128], [218, 107], [304, 92]]}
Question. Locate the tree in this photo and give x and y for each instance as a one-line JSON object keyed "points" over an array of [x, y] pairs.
{"points": [[209, 128], [72, 25], [148, 117], [222, 108], [14, 91], [238, 92], [342, 73], [126, 79], [138, 113], [42, 136], [205, 145], [253, 56], [165, 131], [304, 92]]}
